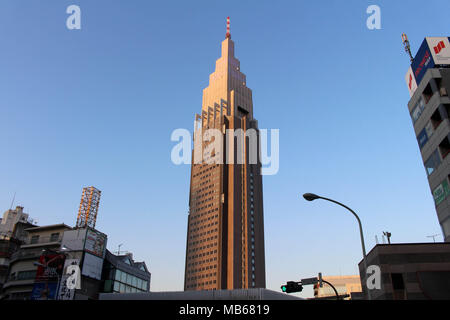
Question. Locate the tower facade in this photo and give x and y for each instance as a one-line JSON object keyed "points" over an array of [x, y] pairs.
{"points": [[428, 81], [225, 236]]}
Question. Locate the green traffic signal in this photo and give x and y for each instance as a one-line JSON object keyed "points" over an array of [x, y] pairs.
{"points": [[291, 287]]}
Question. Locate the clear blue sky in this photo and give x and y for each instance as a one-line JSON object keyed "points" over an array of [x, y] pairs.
{"points": [[97, 106]]}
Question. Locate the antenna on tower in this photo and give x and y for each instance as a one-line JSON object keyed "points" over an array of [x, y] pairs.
{"points": [[228, 35], [407, 46]]}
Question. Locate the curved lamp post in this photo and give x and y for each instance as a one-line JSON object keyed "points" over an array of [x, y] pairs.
{"points": [[312, 197]]}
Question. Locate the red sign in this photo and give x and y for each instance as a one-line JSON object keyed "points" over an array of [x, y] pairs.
{"points": [[50, 267]]}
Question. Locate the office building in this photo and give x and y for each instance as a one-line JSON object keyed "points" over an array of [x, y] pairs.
{"points": [[410, 271], [121, 274], [225, 236], [428, 81]]}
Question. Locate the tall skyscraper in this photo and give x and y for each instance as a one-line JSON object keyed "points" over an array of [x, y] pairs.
{"points": [[225, 237], [428, 81]]}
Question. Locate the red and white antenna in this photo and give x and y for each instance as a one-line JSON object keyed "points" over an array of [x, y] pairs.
{"points": [[228, 35]]}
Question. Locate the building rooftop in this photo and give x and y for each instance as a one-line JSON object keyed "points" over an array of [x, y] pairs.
{"points": [[49, 227]]}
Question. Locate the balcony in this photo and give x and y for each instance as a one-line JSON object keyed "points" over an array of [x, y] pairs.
{"points": [[37, 241]]}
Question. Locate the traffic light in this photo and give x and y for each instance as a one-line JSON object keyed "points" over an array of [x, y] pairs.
{"points": [[291, 287]]}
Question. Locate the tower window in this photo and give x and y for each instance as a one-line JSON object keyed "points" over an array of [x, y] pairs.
{"points": [[433, 162], [436, 119], [427, 93], [444, 147]]}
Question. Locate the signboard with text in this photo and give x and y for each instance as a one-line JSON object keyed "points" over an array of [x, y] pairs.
{"points": [[434, 52], [48, 275], [64, 293], [95, 243]]}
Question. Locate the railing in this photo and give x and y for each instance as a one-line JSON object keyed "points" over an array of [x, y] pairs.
{"points": [[42, 240], [25, 255]]}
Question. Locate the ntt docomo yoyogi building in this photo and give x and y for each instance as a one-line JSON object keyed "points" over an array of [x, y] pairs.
{"points": [[428, 81]]}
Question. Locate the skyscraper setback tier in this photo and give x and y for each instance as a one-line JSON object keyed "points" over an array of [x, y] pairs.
{"points": [[225, 237]]}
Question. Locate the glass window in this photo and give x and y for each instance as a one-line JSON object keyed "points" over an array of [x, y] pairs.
{"points": [[129, 281], [128, 289], [118, 274], [54, 237], [134, 282], [139, 283], [122, 288], [429, 129], [422, 138], [433, 162], [144, 285], [26, 275], [124, 277], [116, 286], [34, 239], [417, 110]]}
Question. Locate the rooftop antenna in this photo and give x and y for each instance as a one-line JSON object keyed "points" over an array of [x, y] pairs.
{"points": [[388, 236], [407, 46], [434, 237], [12, 202], [228, 35], [118, 251]]}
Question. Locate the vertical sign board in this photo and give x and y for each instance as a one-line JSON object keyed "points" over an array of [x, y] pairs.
{"points": [[48, 274], [422, 61], [95, 249], [95, 243], [411, 81], [64, 293]]}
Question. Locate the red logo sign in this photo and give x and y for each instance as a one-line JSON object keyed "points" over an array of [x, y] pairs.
{"points": [[410, 81], [439, 47]]}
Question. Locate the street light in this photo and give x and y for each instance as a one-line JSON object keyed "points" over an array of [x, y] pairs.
{"points": [[312, 197]]}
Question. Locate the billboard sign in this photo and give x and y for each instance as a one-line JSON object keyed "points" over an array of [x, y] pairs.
{"points": [[92, 266], [440, 50], [422, 61], [44, 291], [434, 52], [50, 267], [64, 293], [441, 192], [95, 243], [48, 275], [411, 81]]}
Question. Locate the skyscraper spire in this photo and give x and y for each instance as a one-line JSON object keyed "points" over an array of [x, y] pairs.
{"points": [[228, 35]]}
